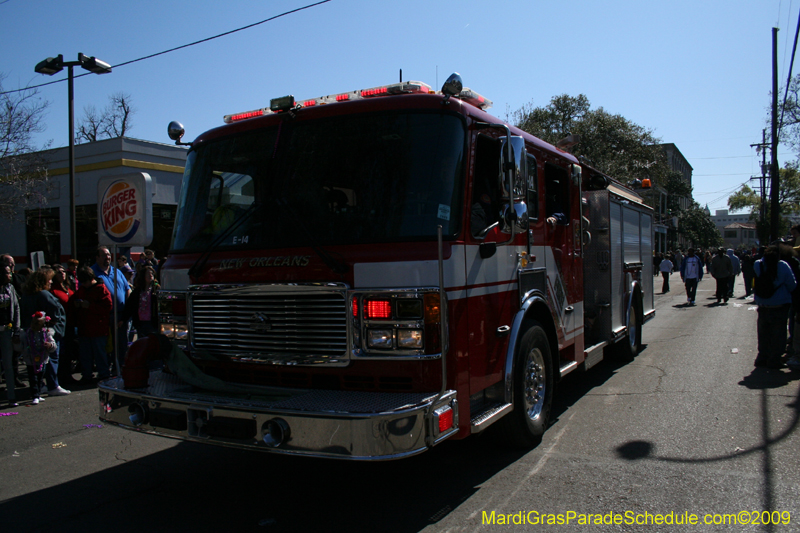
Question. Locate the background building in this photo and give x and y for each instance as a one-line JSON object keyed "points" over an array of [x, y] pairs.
{"points": [[47, 228]]}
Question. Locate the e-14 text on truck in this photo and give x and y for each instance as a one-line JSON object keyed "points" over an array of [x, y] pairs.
{"points": [[366, 274]]}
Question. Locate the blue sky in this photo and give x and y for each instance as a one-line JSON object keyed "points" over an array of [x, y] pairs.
{"points": [[697, 73]]}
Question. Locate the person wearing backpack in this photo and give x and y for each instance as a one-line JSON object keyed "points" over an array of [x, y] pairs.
{"points": [[773, 284]]}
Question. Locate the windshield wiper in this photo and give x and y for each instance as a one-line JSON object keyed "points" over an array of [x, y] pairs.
{"points": [[198, 265]]}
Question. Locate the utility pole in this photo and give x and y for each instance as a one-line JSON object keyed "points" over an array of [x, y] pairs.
{"points": [[774, 226], [762, 217]]}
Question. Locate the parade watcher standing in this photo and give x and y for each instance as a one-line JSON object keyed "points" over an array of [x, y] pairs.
{"points": [[17, 280], [72, 273], [721, 270], [67, 346], [93, 305], [691, 274], [37, 345], [774, 283], [747, 273], [142, 304], [117, 284], [36, 296], [666, 267], [9, 330], [148, 259]]}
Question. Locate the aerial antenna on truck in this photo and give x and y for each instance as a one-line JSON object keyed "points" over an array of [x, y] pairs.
{"points": [[401, 75]]}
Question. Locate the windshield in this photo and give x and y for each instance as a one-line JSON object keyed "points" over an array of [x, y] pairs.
{"points": [[349, 180]]}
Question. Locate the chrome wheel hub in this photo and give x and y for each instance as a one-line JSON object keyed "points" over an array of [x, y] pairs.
{"points": [[534, 383]]}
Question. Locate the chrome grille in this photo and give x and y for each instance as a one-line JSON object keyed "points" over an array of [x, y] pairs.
{"points": [[270, 324]]}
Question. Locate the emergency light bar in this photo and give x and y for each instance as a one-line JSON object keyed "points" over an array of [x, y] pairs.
{"points": [[408, 87]]}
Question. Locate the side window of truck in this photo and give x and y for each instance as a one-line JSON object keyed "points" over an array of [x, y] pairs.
{"points": [[556, 189], [485, 204], [533, 189]]}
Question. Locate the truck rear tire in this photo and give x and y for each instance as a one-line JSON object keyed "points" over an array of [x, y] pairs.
{"points": [[533, 386], [629, 346]]}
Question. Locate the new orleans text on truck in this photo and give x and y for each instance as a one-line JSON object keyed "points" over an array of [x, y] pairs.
{"points": [[366, 274]]}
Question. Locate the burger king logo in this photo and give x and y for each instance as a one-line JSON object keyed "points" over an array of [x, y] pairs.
{"points": [[120, 211]]}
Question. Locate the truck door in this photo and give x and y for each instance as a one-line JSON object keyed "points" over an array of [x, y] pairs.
{"points": [[490, 300], [564, 262]]}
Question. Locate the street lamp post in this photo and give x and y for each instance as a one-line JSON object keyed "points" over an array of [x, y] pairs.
{"points": [[53, 65]]}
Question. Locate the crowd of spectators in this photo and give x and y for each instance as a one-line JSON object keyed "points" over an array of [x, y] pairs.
{"points": [[67, 319], [771, 277]]}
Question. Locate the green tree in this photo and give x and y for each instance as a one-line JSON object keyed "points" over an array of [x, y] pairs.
{"points": [[697, 227], [611, 143], [746, 199], [23, 172]]}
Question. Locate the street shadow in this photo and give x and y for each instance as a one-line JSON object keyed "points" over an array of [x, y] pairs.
{"points": [[197, 487], [576, 385], [761, 379], [200, 487]]}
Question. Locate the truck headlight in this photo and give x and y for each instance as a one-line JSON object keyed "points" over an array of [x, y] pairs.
{"points": [[409, 339], [379, 338]]}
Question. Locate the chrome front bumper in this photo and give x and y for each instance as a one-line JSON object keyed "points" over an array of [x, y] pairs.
{"points": [[320, 423]]}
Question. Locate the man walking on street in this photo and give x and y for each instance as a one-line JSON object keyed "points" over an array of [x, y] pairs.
{"points": [[691, 274], [737, 269], [678, 260], [666, 268], [722, 271]]}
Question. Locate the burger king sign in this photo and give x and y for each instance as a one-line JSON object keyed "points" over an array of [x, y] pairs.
{"points": [[125, 210]]}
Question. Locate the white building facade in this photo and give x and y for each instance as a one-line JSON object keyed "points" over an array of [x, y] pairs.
{"points": [[47, 228]]}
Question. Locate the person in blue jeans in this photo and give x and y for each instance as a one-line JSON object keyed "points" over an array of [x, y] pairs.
{"points": [[691, 274]]}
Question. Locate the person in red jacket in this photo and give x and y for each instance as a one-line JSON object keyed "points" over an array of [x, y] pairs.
{"points": [[67, 346], [92, 304]]}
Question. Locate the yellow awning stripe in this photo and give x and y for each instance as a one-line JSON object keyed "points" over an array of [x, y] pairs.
{"points": [[145, 165]]}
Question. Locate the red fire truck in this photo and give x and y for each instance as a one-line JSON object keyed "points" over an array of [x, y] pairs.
{"points": [[366, 274]]}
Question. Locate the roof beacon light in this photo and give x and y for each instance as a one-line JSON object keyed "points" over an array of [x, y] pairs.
{"points": [[243, 116], [286, 103], [471, 97]]}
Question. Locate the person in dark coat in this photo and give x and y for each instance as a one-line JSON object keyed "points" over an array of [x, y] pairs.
{"points": [[141, 306], [93, 304]]}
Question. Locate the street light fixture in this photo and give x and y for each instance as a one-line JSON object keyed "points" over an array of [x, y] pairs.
{"points": [[54, 65]]}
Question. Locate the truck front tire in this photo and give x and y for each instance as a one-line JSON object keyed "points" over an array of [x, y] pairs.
{"points": [[533, 387]]}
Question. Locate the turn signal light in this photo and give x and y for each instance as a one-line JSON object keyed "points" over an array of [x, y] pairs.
{"points": [[445, 416]]}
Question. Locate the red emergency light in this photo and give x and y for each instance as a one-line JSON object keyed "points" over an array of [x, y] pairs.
{"points": [[377, 309], [407, 87]]}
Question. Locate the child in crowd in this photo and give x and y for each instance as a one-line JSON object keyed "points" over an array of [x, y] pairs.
{"points": [[37, 343]]}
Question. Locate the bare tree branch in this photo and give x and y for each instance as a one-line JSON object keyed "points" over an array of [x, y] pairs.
{"points": [[115, 120], [90, 126], [23, 170]]}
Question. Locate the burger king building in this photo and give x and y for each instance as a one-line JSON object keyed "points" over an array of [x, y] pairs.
{"points": [[47, 229]]}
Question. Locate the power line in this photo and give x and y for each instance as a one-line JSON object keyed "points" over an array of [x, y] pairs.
{"points": [[789, 79], [176, 48], [724, 157]]}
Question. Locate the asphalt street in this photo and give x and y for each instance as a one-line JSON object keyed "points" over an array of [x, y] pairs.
{"points": [[688, 429]]}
